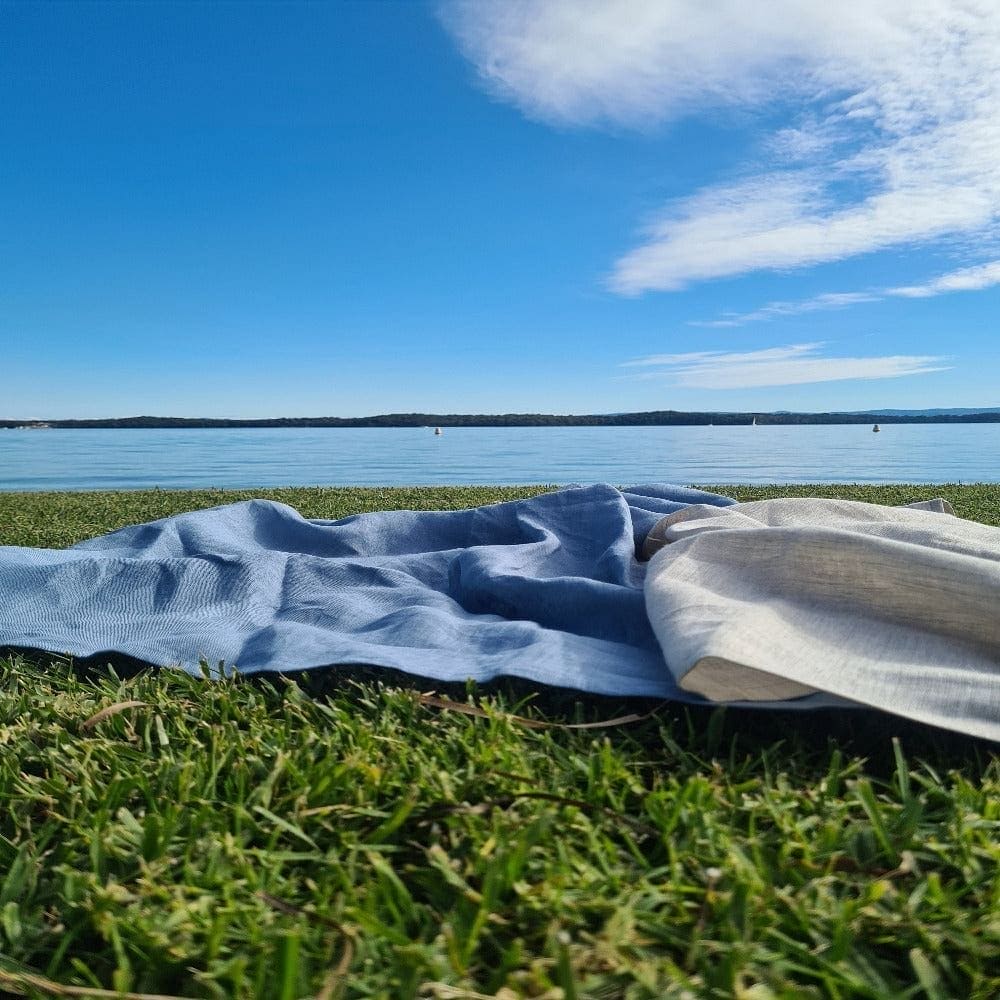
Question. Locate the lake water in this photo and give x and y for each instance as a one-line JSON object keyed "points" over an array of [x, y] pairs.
{"points": [[254, 457]]}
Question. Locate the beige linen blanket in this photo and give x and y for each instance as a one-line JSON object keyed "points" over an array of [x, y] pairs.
{"points": [[893, 607]]}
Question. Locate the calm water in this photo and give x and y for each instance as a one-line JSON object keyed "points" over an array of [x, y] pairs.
{"points": [[116, 459]]}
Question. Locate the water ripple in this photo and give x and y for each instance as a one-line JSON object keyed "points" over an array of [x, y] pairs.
{"points": [[257, 457]]}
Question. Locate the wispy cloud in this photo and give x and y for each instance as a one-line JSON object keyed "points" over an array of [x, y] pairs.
{"points": [[796, 364], [775, 310], [901, 98], [967, 279]]}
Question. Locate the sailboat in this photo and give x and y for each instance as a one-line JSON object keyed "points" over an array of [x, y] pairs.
{"points": [[753, 422]]}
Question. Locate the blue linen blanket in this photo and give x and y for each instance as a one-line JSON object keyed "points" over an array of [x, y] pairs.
{"points": [[547, 589]]}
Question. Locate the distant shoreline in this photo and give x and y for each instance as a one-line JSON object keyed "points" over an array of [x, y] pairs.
{"points": [[652, 418]]}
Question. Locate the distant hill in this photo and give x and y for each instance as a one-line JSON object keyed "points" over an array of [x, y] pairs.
{"points": [[651, 418], [955, 410]]}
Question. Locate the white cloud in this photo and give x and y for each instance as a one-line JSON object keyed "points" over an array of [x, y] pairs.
{"points": [[775, 310], [623, 61], [899, 97], [726, 357], [967, 279], [796, 364]]}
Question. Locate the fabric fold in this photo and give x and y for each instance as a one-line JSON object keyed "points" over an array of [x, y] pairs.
{"points": [[894, 608], [547, 589]]}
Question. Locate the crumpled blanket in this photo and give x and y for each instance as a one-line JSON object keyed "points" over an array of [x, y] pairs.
{"points": [[897, 608], [547, 589]]}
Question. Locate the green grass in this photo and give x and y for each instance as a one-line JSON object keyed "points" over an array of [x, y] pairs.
{"points": [[336, 835]]}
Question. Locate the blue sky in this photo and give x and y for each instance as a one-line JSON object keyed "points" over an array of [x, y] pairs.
{"points": [[242, 209]]}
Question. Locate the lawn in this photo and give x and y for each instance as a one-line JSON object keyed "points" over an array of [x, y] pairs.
{"points": [[341, 834]]}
